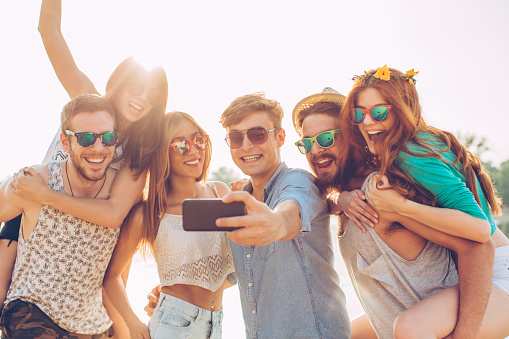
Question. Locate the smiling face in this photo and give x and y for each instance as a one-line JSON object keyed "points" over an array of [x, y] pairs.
{"points": [[373, 131], [323, 161], [90, 162], [191, 164], [133, 102], [259, 161]]}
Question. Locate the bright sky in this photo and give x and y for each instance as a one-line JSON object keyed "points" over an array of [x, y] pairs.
{"points": [[214, 51]]}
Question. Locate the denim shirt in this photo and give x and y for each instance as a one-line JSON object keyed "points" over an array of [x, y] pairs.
{"points": [[289, 289]]}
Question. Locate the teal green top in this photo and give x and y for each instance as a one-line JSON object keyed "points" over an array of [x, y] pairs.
{"points": [[443, 179]]}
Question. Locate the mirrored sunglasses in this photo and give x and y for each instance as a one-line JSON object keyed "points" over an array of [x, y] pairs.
{"points": [[324, 140], [87, 139], [378, 113], [182, 147], [257, 135], [136, 88]]}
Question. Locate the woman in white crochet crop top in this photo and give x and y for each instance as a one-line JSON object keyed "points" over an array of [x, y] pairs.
{"points": [[193, 266]]}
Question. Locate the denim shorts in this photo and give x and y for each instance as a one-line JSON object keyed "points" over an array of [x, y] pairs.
{"points": [[176, 318], [501, 268]]}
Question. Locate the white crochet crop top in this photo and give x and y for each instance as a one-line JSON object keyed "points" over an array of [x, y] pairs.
{"points": [[193, 258]]}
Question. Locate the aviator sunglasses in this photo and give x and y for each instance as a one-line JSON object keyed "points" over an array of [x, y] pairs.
{"points": [[378, 113], [324, 140], [182, 147], [87, 139], [257, 135], [136, 88]]}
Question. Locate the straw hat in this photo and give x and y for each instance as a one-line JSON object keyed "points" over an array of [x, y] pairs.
{"points": [[328, 95]]}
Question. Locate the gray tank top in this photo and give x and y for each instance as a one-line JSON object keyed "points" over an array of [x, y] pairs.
{"points": [[387, 284]]}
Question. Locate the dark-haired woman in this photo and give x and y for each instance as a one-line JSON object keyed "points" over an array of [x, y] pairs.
{"points": [[139, 96]]}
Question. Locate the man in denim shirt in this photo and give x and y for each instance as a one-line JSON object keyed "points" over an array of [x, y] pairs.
{"points": [[283, 256]]}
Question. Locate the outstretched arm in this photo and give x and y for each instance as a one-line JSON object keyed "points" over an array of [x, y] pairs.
{"points": [[73, 80], [127, 246], [450, 221], [125, 192], [475, 269], [263, 225]]}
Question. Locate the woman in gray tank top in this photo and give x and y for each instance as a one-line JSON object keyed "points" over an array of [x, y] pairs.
{"points": [[382, 125]]}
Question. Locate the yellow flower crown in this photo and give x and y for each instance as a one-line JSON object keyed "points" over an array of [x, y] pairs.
{"points": [[383, 73]]}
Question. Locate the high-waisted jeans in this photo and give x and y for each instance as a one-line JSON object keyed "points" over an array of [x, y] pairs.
{"points": [[176, 318]]}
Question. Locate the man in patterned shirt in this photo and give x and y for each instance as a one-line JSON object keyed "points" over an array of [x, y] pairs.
{"points": [[56, 288]]}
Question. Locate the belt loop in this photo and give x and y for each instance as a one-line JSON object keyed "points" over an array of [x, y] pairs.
{"points": [[161, 298]]}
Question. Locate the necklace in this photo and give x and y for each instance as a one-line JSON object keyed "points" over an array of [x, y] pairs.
{"points": [[69, 182]]}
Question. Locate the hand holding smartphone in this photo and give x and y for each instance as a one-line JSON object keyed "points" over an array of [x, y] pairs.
{"points": [[201, 214]]}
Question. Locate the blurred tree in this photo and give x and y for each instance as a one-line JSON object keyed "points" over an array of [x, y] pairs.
{"points": [[224, 174], [476, 145], [499, 175]]}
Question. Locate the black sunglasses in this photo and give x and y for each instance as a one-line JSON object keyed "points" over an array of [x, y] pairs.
{"points": [[257, 135], [136, 88], [87, 139]]}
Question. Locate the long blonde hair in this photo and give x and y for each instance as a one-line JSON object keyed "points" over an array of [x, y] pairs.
{"points": [[156, 203]]}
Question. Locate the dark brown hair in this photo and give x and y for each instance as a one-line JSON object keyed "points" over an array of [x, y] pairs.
{"points": [[328, 108], [142, 138]]}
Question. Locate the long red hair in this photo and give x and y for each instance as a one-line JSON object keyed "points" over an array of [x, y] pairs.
{"points": [[357, 161]]}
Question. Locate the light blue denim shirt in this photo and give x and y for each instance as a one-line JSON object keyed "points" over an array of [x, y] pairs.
{"points": [[289, 289]]}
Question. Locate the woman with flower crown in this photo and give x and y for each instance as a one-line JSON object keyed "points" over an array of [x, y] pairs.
{"points": [[429, 183]]}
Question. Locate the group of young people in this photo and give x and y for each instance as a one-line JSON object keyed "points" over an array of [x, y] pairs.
{"points": [[416, 229]]}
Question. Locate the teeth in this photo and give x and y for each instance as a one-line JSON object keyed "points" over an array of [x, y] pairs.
{"points": [[95, 160], [323, 161], [373, 132], [251, 158], [135, 107], [193, 162]]}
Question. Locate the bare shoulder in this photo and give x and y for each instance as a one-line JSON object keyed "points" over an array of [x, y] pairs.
{"points": [[221, 188], [43, 171]]}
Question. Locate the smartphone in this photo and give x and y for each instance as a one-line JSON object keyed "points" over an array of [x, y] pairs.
{"points": [[201, 214]]}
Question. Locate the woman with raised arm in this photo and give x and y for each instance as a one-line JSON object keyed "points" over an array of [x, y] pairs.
{"points": [[426, 176], [138, 95], [193, 266]]}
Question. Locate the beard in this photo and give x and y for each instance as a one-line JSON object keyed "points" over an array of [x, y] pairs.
{"points": [[329, 183], [90, 176]]}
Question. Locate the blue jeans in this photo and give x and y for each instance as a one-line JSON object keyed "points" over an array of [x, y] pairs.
{"points": [[176, 318]]}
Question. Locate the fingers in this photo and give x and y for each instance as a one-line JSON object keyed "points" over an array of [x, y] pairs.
{"points": [[156, 291], [237, 185], [238, 196], [366, 210], [249, 236], [358, 223], [149, 310], [360, 194], [30, 170]]}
